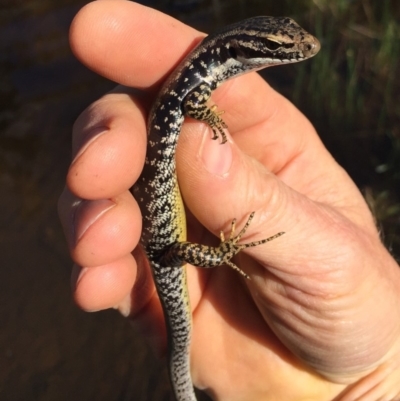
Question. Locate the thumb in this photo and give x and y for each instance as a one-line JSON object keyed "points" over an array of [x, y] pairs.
{"points": [[219, 183]]}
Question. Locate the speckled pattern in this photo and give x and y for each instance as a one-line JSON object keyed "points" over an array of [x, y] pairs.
{"points": [[242, 47]]}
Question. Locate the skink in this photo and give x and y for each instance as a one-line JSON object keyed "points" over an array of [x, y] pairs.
{"points": [[246, 46]]}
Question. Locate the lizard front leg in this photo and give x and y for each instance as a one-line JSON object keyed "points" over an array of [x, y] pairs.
{"points": [[195, 106]]}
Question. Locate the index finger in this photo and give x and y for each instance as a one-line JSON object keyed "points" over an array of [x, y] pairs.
{"points": [[129, 43]]}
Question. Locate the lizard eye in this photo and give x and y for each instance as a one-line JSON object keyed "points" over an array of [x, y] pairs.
{"points": [[271, 45]]}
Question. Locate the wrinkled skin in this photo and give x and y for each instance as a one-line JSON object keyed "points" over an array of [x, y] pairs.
{"points": [[319, 319]]}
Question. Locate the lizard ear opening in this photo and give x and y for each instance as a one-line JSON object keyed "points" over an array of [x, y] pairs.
{"points": [[232, 52]]}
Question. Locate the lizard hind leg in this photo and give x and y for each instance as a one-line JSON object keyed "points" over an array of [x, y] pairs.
{"points": [[238, 237], [236, 248], [210, 256]]}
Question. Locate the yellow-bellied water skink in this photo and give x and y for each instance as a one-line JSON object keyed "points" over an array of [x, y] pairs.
{"points": [[246, 46]]}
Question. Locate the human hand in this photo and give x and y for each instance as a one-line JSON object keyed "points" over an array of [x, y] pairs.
{"points": [[321, 311]]}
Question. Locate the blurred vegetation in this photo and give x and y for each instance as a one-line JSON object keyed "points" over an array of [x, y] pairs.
{"points": [[353, 97]]}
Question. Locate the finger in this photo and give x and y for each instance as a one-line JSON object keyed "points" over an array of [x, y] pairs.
{"points": [[278, 136], [220, 183], [106, 286], [129, 43], [123, 286], [264, 124], [109, 145], [101, 231]]}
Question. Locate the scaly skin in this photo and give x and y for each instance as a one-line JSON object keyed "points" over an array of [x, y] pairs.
{"points": [[237, 49]]}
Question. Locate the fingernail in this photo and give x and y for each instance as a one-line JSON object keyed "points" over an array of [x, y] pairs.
{"points": [[216, 156], [87, 213], [124, 307], [89, 136]]}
